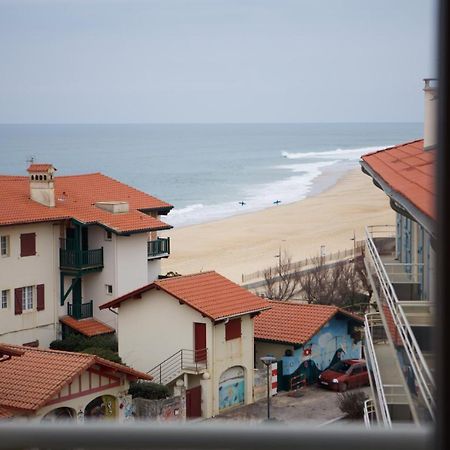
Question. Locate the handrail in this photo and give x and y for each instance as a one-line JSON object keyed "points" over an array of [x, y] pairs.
{"points": [[174, 365], [419, 365], [375, 319], [368, 410]]}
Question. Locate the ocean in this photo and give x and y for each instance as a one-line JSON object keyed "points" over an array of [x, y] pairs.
{"points": [[210, 171]]}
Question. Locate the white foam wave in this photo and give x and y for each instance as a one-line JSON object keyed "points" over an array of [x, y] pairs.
{"points": [[256, 197], [339, 153]]}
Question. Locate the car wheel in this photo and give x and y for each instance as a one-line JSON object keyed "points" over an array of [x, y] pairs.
{"points": [[343, 387]]}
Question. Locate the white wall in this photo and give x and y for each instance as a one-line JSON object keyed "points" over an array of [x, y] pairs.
{"points": [[17, 271], [155, 327]]}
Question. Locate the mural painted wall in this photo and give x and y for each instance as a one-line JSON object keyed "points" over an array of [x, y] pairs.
{"points": [[232, 388], [332, 342]]}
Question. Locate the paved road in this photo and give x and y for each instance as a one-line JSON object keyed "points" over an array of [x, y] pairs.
{"points": [[314, 405]]}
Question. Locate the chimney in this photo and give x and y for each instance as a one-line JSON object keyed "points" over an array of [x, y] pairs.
{"points": [[42, 188], [430, 132]]}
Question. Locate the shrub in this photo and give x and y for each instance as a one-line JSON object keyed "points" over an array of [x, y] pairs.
{"points": [[149, 390], [352, 404], [78, 342], [105, 353]]}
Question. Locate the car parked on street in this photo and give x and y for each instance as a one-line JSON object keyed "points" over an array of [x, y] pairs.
{"points": [[345, 374]]}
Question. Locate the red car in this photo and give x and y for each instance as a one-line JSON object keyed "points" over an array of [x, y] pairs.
{"points": [[345, 374]]}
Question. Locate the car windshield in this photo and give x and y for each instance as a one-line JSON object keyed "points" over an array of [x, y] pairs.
{"points": [[340, 366]]}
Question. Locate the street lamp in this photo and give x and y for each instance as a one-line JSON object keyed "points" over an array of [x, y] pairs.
{"points": [[268, 361]]}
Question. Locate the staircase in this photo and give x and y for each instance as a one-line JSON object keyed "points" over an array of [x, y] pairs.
{"points": [[183, 361]]}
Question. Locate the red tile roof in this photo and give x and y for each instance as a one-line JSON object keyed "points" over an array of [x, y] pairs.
{"points": [[29, 382], [40, 167], [75, 198], [6, 351], [5, 413], [208, 292], [409, 170], [295, 323], [88, 327]]}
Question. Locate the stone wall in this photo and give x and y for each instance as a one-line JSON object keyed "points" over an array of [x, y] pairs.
{"points": [[168, 409]]}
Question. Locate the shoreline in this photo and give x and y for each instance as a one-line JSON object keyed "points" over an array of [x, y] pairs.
{"points": [[250, 241]]}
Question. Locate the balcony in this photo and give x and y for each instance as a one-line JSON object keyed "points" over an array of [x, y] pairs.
{"points": [[159, 248], [80, 260], [406, 319], [80, 310]]}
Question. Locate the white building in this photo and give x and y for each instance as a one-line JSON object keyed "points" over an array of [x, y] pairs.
{"points": [[68, 242], [197, 329], [400, 260]]}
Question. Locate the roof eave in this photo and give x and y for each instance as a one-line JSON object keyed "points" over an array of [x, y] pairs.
{"points": [[231, 316], [419, 216]]}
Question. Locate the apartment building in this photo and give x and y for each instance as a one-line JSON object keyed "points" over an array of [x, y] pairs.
{"points": [[400, 260], [66, 244]]}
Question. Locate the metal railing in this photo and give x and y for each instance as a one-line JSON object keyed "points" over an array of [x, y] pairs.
{"points": [[357, 250], [422, 374], [79, 259], [181, 361], [158, 247], [370, 321], [369, 413], [80, 310], [404, 272]]}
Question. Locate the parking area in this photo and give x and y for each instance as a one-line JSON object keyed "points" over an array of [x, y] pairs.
{"points": [[313, 405]]}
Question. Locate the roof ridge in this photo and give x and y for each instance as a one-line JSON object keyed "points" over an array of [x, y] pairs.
{"points": [[48, 350], [188, 275]]}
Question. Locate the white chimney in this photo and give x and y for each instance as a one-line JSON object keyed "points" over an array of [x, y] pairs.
{"points": [[42, 189], [430, 124]]}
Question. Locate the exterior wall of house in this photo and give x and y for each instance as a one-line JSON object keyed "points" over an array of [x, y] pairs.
{"points": [[17, 272], [85, 388], [235, 353], [270, 349], [156, 326]]}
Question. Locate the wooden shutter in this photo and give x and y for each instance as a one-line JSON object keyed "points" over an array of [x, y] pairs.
{"points": [[28, 244], [18, 301], [233, 329], [40, 303]]}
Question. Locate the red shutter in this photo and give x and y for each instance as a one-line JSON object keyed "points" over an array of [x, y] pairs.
{"points": [[28, 244], [18, 301], [40, 303], [233, 329]]}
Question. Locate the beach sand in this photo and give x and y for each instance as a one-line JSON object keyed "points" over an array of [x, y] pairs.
{"points": [[250, 242]]}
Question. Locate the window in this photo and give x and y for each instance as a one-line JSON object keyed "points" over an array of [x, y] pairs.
{"points": [[27, 298], [4, 301], [108, 235], [28, 244], [4, 246], [233, 329], [109, 289]]}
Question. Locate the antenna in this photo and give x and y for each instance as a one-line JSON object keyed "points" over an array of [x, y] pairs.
{"points": [[30, 159]]}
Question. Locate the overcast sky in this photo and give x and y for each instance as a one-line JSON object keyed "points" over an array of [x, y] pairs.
{"points": [[89, 61]]}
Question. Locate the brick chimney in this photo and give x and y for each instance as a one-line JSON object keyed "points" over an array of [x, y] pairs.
{"points": [[430, 124], [42, 189]]}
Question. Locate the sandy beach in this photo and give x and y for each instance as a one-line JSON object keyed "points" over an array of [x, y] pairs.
{"points": [[250, 242]]}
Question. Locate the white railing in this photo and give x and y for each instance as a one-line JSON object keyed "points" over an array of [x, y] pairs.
{"points": [[369, 413], [371, 320], [404, 272], [422, 374]]}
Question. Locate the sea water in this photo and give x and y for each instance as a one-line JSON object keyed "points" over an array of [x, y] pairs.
{"points": [[208, 171]]}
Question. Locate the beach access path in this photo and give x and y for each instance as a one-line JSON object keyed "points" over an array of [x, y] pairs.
{"points": [[251, 242]]}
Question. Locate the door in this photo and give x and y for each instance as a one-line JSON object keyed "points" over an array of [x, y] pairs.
{"points": [[199, 342], [193, 402]]}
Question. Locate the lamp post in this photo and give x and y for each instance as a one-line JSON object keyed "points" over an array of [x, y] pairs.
{"points": [[268, 361]]}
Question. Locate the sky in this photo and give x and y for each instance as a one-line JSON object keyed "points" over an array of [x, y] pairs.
{"points": [[215, 61]]}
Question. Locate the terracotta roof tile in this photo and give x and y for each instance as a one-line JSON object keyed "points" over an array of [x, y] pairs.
{"points": [[29, 382], [5, 413], [75, 198], [40, 167], [208, 292], [295, 323], [409, 170], [87, 327]]}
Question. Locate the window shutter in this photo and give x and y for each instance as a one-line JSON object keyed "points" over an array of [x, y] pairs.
{"points": [[233, 329], [18, 301], [40, 303], [28, 244]]}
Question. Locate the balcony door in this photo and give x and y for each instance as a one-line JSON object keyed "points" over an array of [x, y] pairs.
{"points": [[199, 342]]}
